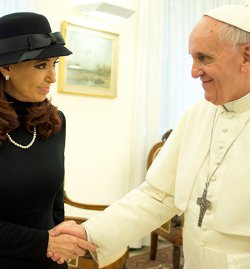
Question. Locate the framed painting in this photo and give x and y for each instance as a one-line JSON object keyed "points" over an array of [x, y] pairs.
{"points": [[93, 67]]}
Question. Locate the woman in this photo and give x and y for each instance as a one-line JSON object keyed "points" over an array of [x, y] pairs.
{"points": [[32, 138]]}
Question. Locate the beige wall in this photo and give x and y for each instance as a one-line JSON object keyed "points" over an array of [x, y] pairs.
{"points": [[99, 130]]}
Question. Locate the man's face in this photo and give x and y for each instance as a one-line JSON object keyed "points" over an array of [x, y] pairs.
{"points": [[216, 63]]}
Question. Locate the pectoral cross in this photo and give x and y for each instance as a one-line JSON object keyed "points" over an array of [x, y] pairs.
{"points": [[204, 205]]}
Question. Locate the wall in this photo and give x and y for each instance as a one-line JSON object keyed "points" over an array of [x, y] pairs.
{"points": [[99, 131]]}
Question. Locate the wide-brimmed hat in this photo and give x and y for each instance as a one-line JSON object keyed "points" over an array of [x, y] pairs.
{"points": [[236, 15], [28, 36]]}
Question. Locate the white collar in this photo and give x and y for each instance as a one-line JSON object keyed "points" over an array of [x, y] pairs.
{"points": [[240, 105]]}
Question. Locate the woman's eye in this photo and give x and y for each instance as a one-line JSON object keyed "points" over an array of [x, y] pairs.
{"points": [[56, 62], [41, 66]]}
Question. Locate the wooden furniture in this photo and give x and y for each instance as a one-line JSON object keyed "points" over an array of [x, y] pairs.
{"points": [[172, 230], [86, 262]]}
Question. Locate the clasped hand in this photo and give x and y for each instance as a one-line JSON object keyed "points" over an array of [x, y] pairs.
{"points": [[67, 241]]}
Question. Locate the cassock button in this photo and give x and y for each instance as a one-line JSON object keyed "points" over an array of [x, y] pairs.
{"points": [[160, 195], [202, 244], [204, 228], [209, 195], [224, 130], [213, 178], [221, 146]]}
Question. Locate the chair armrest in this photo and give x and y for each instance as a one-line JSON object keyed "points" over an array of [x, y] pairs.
{"points": [[68, 201]]}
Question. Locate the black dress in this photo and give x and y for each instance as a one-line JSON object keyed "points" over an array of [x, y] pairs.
{"points": [[31, 197]]}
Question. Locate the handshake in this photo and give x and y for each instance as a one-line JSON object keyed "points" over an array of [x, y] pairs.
{"points": [[67, 241]]}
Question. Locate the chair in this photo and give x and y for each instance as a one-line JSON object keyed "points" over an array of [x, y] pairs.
{"points": [[86, 262], [172, 230]]}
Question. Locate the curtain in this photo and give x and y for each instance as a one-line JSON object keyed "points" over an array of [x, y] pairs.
{"points": [[148, 83], [7, 6]]}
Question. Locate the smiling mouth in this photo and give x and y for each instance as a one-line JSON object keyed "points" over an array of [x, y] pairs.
{"points": [[206, 81], [44, 90]]}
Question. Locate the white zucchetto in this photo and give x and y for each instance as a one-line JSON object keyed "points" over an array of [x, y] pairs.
{"points": [[236, 15]]}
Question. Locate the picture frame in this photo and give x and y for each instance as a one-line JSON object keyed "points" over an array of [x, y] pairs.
{"points": [[92, 69]]}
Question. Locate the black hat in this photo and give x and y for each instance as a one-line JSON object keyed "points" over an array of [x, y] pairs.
{"points": [[27, 36]]}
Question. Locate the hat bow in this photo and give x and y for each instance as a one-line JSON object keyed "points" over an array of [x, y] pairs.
{"points": [[30, 42]]}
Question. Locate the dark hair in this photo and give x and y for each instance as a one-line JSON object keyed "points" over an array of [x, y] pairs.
{"points": [[42, 114]]}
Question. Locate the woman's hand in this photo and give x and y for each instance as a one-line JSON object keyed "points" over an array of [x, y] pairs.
{"points": [[67, 241], [66, 247]]}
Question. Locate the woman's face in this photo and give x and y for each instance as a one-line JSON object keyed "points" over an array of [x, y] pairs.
{"points": [[30, 81]]}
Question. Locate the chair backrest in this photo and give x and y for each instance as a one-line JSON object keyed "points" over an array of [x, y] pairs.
{"points": [[157, 147], [171, 230], [176, 221]]}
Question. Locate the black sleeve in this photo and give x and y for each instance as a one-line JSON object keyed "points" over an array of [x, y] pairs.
{"points": [[58, 208], [34, 242]]}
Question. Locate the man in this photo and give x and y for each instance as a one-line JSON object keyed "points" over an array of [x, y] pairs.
{"points": [[203, 170]]}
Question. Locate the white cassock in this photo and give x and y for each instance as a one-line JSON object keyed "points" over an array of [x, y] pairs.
{"points": [[175, 181]]}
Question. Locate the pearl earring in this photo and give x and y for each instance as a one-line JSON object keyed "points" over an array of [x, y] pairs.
{"points": [[7, 77]]}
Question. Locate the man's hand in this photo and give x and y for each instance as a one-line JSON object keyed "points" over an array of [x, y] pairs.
{"points": [[69, 227], [67, 241]]}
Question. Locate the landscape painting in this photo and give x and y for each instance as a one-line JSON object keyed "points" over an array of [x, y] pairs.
{"points": [[92, 68]]}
